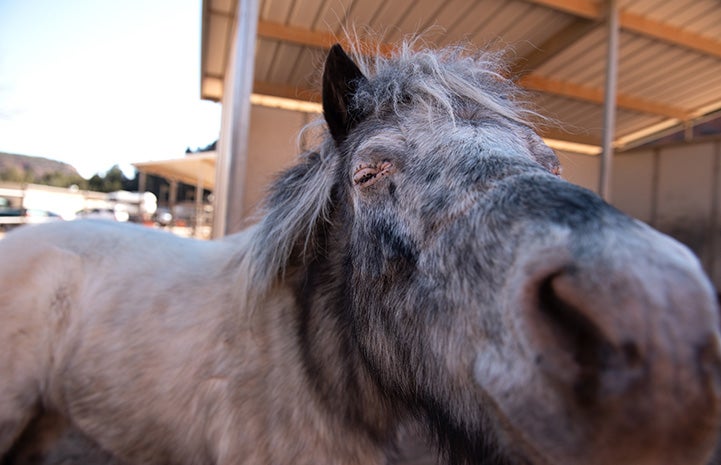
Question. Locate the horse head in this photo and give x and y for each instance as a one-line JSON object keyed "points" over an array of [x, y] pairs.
{"points": [[521, 315]]}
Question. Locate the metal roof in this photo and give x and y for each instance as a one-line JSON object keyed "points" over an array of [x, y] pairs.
{"points": [[669, 65]]}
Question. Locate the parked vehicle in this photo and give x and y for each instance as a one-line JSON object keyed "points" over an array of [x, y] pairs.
{"points": [[163, 217], [12, 217], [118, 213]]}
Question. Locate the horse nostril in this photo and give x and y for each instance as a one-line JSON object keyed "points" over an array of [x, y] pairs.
{"points": [[630, 353], [575, 336], [709, 363]]}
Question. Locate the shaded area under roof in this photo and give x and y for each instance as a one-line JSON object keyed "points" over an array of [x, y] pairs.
{"points": [[669, 53]]}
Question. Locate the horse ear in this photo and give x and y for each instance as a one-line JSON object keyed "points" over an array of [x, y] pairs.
{"points": [[341, 77]]}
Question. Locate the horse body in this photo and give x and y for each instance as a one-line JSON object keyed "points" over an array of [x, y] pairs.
{"points": [[424, 270], [229, 395]]}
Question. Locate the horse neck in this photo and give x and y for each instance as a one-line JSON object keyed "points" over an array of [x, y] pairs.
{"points": [[332, 363], [314, 384], [300, 332]]}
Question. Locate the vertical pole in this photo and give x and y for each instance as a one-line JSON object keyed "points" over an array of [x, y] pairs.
{"points": [[222, 155], [173, 199], [712, 266], [609, 110], [198, 221], [142, 187], [688, 131], [233, 152], [142, 181]]}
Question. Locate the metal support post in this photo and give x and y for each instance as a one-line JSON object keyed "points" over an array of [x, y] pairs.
{"points": [[609, 111], [233, 150]]}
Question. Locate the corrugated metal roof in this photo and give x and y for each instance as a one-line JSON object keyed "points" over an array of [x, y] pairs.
{"points": [[669, 68]]}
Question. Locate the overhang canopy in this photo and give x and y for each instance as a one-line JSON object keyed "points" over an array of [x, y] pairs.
{"points": [[669, 70], [191, 169]]}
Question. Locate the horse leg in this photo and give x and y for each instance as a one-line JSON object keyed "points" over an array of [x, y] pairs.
{"points": [[15, 415], [52, 440], [37, 438], [19, 389], [35, 301]]}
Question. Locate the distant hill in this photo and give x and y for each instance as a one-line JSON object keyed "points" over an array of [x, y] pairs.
{"points": [[34, 167]]}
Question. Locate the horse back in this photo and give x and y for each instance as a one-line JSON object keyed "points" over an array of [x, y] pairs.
{"points": [[96, 314], [38, 284]]}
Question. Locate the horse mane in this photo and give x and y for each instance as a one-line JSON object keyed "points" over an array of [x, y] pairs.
{"points": [[296, 203], [445, 83]]}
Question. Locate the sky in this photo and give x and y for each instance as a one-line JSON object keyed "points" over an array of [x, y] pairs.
{"points": [[95, 83]]}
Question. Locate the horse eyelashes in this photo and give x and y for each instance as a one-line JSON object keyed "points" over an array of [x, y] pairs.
{"points": [[366, 175]]}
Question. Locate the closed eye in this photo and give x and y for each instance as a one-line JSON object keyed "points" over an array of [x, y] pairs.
{"points": [[367, 175]]}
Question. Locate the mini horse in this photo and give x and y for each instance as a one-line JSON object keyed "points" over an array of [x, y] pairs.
{"points": [[424, 269]]}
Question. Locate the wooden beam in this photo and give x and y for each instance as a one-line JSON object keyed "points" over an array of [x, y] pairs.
{"points": [[595, 95], [286, 91], [295, 35], [553, 46], [630, 102], [561, 134], [670, 34], [584, 8], [632, 22], [318, 39]]}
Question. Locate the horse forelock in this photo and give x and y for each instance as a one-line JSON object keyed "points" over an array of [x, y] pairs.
{"points": [[450, 81]]}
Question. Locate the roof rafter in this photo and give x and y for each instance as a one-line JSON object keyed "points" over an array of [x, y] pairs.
{"points": [[319, 39], [638, 24], [553, 46], [595, 95], [670, 34], [567, 136], [295, 35], [584, 8], [285, 91]]}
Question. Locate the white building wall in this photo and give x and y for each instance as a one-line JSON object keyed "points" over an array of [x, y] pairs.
{"points": [[580, 169], [633, 185], [675, 189], [273, 147]]}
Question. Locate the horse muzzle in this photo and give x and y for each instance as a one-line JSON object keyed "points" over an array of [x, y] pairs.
{"points": [[619, 358]]}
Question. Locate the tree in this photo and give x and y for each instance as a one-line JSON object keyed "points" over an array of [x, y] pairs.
{"points": [[112, 180], [13, 174], [61, 179]]}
